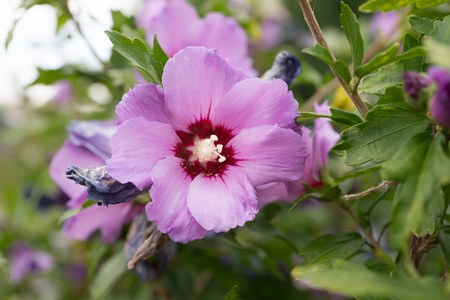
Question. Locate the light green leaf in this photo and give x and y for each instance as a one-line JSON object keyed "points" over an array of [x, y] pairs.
{"points": [[388, 57], [67, 215], [322, 252], [232, 294], [421, 166], [322, 53], [386, 128], [95, 254], [392, 95], [137, 52], [357, 173], [305, 115], [421, 25], [4, 265], [355, 280], [352, 31], [414, 63], [444, 240], [389, 5], [344, 117], [386, 77], [107, 276], [435, 52], [441, 31]]}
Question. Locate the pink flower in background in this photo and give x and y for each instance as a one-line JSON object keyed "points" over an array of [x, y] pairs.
{"points": [[64, 93], [204, 143], [24, 260], [178, 25], [318, 144], [385, 25], [440, 104], [88, 146]]}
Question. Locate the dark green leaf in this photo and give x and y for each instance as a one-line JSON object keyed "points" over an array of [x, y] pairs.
{"points": [[231, 236], [392, 95], [353, 279], [421, 25], [159, 57], [232, 294], [321, 252], [386, 128], [444, 239], [352, 31], [344, 117], [107, 276], [414, 63], [357, 173], [421, 166], [377, 265], [386, 77], [331, 194], [322, 53], [388, 57]]}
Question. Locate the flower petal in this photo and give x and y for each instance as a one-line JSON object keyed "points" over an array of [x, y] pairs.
{"points": [[137, 146], [222, 203], [270, 153], [194, 81], [227, 36], [144, 100], [168, 208], [109, 220], [253, 102], [71, 155]]}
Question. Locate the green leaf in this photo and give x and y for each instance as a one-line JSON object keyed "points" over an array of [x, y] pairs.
{"points": [[441, 31], [322, 53], [4, 265], [357, 173], [232, 294], [107, 276], [421, 166], [392, 95], [138, 53], [67, 215], [414, 63], [231, 237], [331, 194], [421, 25], [435, 52], [322, 252], [355, 280], [389, 5], [344, 117], [377, 265], [352, 31], [386, 128], [95, 254], [444, 239], [159, 57], [306, 115], [387, 76], [388, 57]]}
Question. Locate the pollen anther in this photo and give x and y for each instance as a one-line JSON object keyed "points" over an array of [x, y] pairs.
{"points": [[205, 150]]}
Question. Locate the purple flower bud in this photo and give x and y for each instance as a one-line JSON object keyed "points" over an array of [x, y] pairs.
{"points": [[440, 104], [414, 82]]}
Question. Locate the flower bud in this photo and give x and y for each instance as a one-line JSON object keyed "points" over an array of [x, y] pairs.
{"points": [[440, 104], [414, 88]]}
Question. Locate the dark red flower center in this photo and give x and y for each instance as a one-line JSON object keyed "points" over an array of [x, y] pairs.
{"points": [[205, 149]]}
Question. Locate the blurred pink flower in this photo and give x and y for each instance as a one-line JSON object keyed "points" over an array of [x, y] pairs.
{"points": [[385, 25], [318, 145], [88, 146], [64, 93], [24, 260], [205, 142], [178, 25], [440, 104]]}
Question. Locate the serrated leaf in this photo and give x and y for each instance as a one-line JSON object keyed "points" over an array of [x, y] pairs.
{"points": [[355, 280], [389, 5], [421, 25], [387, 57], [321, 252], [392, 95], [322, 53], [421, 166], [344, 117], [386, 128], [414, 63], [107, 276], [444, 239], [232, 294], [441, 31], [385, 77], [137, 52], [352, 31]]}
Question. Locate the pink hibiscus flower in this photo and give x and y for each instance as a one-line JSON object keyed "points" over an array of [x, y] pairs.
{"points": [[205, 142], [178, 25], [319, 145], [88, 146]]}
